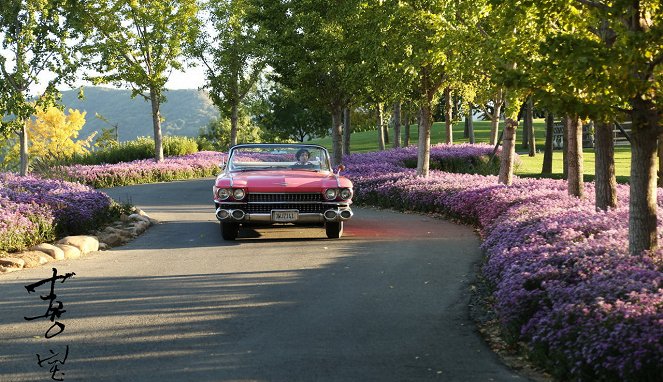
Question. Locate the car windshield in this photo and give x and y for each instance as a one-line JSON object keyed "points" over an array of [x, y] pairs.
{"points": [[276, 157]]}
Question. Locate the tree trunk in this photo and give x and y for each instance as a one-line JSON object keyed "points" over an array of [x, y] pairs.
{"points": [[337, 134], [406, 138], [494, 129], [470, 123], [508, 152], [574, 143], [347, 130], [660, 161], [529, 117], [548, 151], [605, 182], [233, 123], [448, 116], [385, 128], [495, 118], [466, 129], [397, 124], [642, 207], [25, 157], [565, 149], [156, 124], [423, 157], [525, 137], [378, 125]]}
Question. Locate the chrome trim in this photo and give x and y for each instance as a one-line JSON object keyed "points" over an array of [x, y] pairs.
{"points": [[284, 197], [286, 202], [346, 212], [333, 213], [303, 218], [219, 210], [240, 213]]}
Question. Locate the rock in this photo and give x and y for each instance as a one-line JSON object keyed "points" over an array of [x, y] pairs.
{"points": [[33, 258], [137, 217], [14, 263], [103, 246], [49, 249], [8, 269], [70, 252], [85, 244], [140, 227], [115, 236]]}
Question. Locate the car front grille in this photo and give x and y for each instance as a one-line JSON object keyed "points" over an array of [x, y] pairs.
{"points": [[266, 208], [264, 203], [284, 197]]}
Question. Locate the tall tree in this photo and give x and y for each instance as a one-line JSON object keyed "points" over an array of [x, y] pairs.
{"points": [[39, 38], [606, 183], [529, 122], [610, 53], [138, 44], [347, 130], [397, 123], [286, 115], [448, 116], [233, 55], [548, 150], [574, 143], [310, 51], [432, 43], [379, 126], [469, 120]]}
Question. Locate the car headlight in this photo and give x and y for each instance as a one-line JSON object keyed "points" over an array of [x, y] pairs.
{"points": [[223, 193], [346, 193], [238, 194], [330, 194]]}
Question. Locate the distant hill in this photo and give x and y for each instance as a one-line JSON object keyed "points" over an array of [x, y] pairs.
{"points": [[185, 112]]}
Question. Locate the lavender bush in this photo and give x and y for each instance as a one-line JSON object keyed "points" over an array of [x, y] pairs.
{"points": [[201, 164], [564, 281], [34, 210]]}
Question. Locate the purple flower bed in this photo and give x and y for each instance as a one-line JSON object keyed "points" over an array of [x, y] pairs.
{"points": [[36, 209], [564, 281], [201, 164]]}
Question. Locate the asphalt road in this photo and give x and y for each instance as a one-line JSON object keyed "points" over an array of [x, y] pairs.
{"points": [[387, 302]]}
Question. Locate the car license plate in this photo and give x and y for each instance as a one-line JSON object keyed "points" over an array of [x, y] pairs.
{"points": [[285, 215]]}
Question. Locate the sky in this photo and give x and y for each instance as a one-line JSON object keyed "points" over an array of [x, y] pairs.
{"points": [[193, 78], [190, 78]]}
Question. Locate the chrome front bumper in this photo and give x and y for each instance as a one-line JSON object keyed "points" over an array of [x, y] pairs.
{"points": [[331, 215]]}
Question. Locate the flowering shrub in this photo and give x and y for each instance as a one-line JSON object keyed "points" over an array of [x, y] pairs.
{"points": [[564, 281], [34, 210], [201, 164]]}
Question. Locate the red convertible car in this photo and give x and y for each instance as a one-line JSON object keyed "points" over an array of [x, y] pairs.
{"points": [[281, 184]]}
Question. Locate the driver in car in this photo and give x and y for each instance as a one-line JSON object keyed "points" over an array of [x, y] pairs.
{"points": [[302, 158]]}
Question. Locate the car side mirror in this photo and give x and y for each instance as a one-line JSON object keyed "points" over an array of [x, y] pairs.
{"points": [[222, 165], [339, 169]]}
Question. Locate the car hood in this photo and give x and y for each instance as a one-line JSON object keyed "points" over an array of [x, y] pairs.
{"points": [[280, 181]]}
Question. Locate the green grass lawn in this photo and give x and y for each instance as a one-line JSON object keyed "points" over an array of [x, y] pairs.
{"points": [[530, 166]]}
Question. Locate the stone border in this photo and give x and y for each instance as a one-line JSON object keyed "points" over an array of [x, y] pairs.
{"points": [[74, 247]]}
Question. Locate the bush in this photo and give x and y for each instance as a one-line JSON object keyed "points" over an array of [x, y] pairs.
{"points": [[481, 165], [564, 282], [140, 148], [197, 165], [35, 210]]}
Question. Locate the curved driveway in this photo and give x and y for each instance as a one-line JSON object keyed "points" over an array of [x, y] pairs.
{"points": [[387, 302]]}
